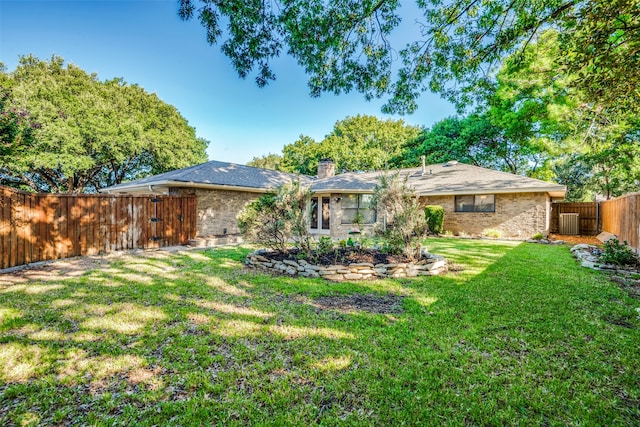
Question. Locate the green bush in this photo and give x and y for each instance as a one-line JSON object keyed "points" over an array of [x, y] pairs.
{"points": [[435, 218], [262, 222], [537, 236], [618, 253], [325, 245], [276, 218], [406, 225]]}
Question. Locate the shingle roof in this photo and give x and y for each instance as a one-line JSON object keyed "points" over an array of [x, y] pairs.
{"points": [[439, 179], [442, 179], [218, 174]]}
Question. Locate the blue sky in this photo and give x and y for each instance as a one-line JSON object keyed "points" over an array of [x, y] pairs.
{"points": [[145, 42]]}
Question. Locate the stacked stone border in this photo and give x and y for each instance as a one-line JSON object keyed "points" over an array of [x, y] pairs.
{"points": [[584, 255], [429, 265]]}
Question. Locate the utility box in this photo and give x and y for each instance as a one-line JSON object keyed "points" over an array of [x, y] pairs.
{"points": [[569, 224]]}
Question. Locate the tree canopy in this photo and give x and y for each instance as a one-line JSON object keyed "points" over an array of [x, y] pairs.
{"points": [[359, 143], [530, 121], [75, 133], [456, 48], [267, 161]]}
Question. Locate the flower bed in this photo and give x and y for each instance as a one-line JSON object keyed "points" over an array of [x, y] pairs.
{"points": [[589, 256], [428, 265]]}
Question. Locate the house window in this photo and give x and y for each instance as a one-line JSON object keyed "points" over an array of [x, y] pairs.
{"points": [[320, 218], [357, 204], [477, 203]]}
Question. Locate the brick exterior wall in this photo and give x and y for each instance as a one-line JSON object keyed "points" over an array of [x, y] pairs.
{"points": [[517, 215], [217, 209], [340, 230], [337, 229]]}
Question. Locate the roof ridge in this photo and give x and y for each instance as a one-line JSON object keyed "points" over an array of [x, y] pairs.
{"points": [[510, 174], [270, 170]]}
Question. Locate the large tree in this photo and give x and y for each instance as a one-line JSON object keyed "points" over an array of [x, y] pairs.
{"points": [[16, 127], [595, 145], [87, 133], [267, 161], [455, 46], [481, 140], [605, 152], [359, 143]]}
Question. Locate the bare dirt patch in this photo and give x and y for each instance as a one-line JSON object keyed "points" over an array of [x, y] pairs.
{"points": [[631, 284], [378, 304], [52, 270], [45, 271]]}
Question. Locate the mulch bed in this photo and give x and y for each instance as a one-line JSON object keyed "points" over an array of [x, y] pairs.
{"points": [[341, 256], [574, 240]]}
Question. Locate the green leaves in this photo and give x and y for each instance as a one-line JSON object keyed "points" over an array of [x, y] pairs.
{"points": [[359, 143], [276, 218], [89, 133], [405, 222], [460, 45]]}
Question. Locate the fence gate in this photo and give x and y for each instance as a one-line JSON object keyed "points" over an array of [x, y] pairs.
{"points": [[38, 227], [588, 221]]}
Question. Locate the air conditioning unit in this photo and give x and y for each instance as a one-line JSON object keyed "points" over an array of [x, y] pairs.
{"points": [[569, 224]]}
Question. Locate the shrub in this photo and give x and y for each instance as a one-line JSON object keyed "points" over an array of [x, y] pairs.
{"points": [[406, 225], [537, 236], [262, 222], [325, 245], [275, 218], [295, 200], [492, 233], [435, 218], [618, 253]]}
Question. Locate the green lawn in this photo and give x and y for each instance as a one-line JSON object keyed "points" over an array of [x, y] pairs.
{"points": [[521, 336]]}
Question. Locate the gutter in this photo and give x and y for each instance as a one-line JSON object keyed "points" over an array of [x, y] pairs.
{"points": [[555, 192], [124, 188]]}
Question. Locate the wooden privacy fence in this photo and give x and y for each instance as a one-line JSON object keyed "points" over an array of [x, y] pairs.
{"points": [[38, 227], [620, 217], [589, 219]]}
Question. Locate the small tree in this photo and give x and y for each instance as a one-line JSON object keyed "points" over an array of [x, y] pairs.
{"points": [[406, 224], [295, 200], [276, 218], [262, 222]]}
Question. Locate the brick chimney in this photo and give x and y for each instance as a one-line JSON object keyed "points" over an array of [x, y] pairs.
{"points": [[326, 168]]}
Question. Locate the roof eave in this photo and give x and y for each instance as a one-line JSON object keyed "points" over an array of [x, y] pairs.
{"points": [[552, 191], [342, 190], [124, 188]]}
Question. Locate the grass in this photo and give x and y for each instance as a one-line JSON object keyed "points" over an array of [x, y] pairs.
{"points": [[521, 336]]}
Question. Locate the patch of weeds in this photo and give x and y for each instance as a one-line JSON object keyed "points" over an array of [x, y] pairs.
{"points": [[492, 233]]}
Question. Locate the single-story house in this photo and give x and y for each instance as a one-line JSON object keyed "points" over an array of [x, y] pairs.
{"points": [[222, 189], [474, 198]]}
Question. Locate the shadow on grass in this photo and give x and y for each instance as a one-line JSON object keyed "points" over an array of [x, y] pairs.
{"points": [[193, 337]]}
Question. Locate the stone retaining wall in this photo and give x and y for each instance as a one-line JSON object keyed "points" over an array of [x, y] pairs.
{"points": [[429, 266]]}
